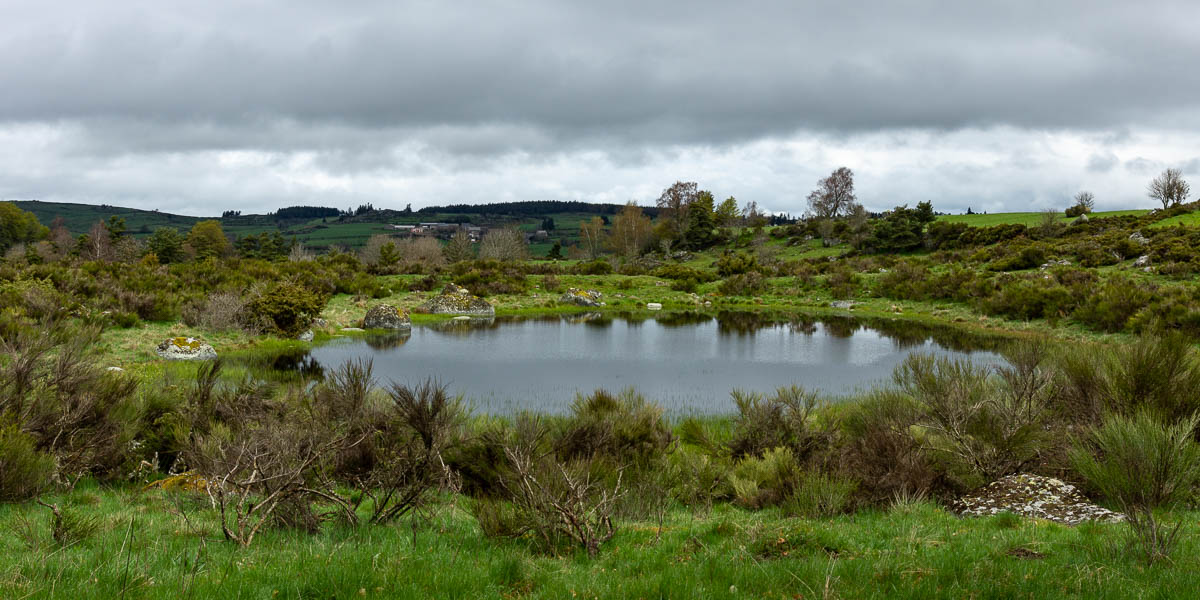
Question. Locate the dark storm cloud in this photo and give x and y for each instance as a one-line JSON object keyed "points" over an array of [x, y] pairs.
{"points": [[656, 72], [590, 100]]}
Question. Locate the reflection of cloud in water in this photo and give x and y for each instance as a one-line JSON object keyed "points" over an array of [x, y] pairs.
{"points": [[686, 361]]}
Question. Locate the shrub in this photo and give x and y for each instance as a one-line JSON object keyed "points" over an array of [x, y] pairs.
{"points": [[782, 420], [817, 495], [595, 267], [736, 263], [551, 284], [1157, 372], [286, 308], [746, 284], [681, 272], [624, 428], [1111, 305], [880, 450], [24, 471], [979, 428], [1026, 257], [764, 480], [843, 283], [1141, 464], [223, 311]]}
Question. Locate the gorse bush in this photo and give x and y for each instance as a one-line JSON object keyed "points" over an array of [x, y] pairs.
{"points": [[1142, 465], [623, 428], [746, 284], [24, 471], [287, 308], [979, 423], [783, 420]]}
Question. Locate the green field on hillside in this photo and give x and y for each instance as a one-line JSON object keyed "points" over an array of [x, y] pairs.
{"points": [[1026, 218]]}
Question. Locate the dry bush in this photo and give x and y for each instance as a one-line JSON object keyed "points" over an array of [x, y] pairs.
{"points": [[222, 311], [880, 451], [782, 420], [424, 251]]}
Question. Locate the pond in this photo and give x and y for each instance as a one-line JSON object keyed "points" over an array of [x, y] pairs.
{"points": [[686, 362]]}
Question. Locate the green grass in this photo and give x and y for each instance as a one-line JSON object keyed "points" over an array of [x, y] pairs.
{"points": [[1191, 219], [168, 545], [1028, 219]]}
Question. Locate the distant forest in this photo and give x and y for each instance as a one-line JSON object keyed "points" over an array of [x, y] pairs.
{"points": [[532, 208]]}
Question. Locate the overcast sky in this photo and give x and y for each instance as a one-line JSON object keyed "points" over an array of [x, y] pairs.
{"points": [[199, 107]]}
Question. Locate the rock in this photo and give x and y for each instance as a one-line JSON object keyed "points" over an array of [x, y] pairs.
{"points": [[842, 304], [896, 308], [1139, 239], [307, 336], [462, 318], [186, 348], [1142, 261], [457, 300], [320, 323], [115, 369], [353, 329], [1056, 263], [654, 305], [1035, 497], [386, 316], [589, 298], [1081, 220]]}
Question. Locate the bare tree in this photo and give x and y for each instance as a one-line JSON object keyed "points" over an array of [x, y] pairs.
{"points": [[631, 231], [459, 248], [1085, 200], [673, 205], [592, 237], [504, 244], [835, 195], [1169, 188]]}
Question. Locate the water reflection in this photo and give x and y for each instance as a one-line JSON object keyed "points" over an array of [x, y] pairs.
{"points": [[686, 361]]}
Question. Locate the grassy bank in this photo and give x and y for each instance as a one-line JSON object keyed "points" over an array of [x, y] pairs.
{"points": [[159, 544]]}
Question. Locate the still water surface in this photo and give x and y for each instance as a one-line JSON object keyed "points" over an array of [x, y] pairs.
{"points": [[687, 363]]}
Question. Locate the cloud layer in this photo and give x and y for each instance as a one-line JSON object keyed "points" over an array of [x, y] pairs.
{"points": [[208, 106]]}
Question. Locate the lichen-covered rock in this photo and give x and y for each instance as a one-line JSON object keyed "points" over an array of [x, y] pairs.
{"points": [[1139, 239], [842, 304], [457, 300], [578, 297], [1142, 261], [1036, 497], [307, 336], [386, 316], [185, 348]]}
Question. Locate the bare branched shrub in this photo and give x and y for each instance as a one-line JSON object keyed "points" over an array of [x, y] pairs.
{"points": [[222, 311], [982, 427], [424, 251], [880, 450]]}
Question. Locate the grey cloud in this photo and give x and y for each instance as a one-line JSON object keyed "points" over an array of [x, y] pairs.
{"points": [[1102, 163]]}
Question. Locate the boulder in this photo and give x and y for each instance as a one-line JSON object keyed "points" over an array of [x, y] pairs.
{"points": [[1081, 220], [842, 304], [1142, 261], [1139, 239], [590, 298], [307, 336], [654, 305], [185, 348], [1035, 497], [386, 316], [457, 300]]}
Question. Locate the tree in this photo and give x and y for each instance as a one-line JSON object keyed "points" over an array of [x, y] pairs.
{"points": [[208, 240], [592, 237], [555, 252], [115, 227], [752, 216], [504, 244], [459, 248], [631, 231], [835, 195], [673, 206], [548, 224], [1085, 200], [18, 226], [167, 245], [1169, 188], [699, 233], [726, 213], [902, 229]]}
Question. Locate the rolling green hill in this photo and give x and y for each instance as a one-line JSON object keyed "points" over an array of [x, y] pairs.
{"points": [[1025, 218]]}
